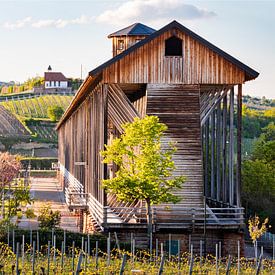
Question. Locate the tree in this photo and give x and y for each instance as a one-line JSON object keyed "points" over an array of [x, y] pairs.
{"points": [[48, 218], [145, 165], [258, 176], [55, 112], [9, 169]]}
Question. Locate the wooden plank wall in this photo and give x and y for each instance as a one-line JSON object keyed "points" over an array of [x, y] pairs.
{"points": [[81, 139], [148, 64], [178, 106]]}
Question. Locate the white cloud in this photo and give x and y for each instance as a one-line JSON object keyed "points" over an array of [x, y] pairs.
{"points": [[153, 11], [46, 23]]}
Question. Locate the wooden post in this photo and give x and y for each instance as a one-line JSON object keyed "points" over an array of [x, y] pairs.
{"points": [[213, 154], [218, 152], [224, 152], [231, 147], [206, 165], [239, 145]]}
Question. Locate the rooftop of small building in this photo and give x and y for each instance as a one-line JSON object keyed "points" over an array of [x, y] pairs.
{"points": [[134, 29]]}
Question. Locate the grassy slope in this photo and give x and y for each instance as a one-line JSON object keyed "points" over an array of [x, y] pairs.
{"points": [[36, 109]]}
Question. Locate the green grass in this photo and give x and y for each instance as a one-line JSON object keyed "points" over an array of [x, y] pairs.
{"points": [[36, 107]]}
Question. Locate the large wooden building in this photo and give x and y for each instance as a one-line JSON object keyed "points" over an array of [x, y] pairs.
{"points": [[195, 88]]}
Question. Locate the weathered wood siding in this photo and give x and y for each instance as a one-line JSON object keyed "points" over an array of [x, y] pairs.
{"points": [[148, 64], [178, 106], [81, 139], [128, 42]]}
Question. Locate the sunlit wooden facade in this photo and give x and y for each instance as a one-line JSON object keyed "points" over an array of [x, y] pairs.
{"points": [[196, 92]]}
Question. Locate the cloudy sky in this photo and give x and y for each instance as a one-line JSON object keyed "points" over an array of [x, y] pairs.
{"points": [[68, 34]]}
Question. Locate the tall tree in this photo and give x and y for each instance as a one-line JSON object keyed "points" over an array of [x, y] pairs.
{"points": [[9, 169], [145, 165]]}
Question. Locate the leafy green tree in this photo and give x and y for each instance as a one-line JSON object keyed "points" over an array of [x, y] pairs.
{"points": [[48, 218], [145, 166], [258, 191], [55, 112]]}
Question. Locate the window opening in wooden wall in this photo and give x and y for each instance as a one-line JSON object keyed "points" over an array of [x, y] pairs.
{"points": [[121, 44], [173, 46]]}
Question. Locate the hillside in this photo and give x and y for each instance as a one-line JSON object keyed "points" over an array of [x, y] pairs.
{"points": [[36, 107], [10, 125]]}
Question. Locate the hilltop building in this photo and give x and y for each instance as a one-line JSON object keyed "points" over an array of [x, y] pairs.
{"points": [[191, 85], [55, 79]]}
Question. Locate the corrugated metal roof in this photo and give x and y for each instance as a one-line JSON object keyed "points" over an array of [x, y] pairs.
{"points": [[135, 29], [249, 72]]}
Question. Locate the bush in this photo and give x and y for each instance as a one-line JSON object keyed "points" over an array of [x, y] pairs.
{"points": [[55, 112], [48, 218]]}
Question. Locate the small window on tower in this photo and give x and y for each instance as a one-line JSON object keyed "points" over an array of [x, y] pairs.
{"points": [[121, 44], [173, 46]]}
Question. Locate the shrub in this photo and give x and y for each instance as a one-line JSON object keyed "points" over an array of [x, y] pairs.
{"points": [[55, 112], [48, 218]]}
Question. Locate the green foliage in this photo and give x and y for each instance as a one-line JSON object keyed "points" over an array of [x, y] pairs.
{"points": [[29, 213], [48, 218], [258, 192], [255, 120], [145, 167], [36, 107], [55, 112]]}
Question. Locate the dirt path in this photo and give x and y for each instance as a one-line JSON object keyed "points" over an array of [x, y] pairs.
{"points": [[47, 190]]}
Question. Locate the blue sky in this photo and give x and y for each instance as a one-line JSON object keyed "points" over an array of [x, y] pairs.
{"points": [[66, 34]]}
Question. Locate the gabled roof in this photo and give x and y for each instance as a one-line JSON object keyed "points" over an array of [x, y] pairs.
{"points": [[54, 76], [249, 72], [135, 29]]}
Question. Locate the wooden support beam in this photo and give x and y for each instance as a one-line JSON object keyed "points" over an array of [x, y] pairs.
{"points": [[218, 152], [105, 136], [206, 159], [239, 145], [224, 151], [213, 154], [231, 148]]}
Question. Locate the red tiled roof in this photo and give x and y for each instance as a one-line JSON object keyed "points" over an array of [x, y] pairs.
{"points": [[54, 76]]}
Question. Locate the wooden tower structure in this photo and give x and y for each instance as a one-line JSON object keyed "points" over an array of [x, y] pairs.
{"points": [[195, 88]]}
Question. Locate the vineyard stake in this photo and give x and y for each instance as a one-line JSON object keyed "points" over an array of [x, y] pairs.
{"points": [[33, 257], [37, 239], [157, 249], [52, 235], [151, 245], [54, 251], [17, 258], [200, 253], [73, 252], [30, 237], [82, 244], [78, 268], [85, 262], [123, 263], [13, 241], [134, 248], [161, 265], [62, 255], [64, 239], [49, 255], [23, 251], [228, 265], [89, 248], [8, 236], [262, 253], [161, 249], [217, 257], [108, 251], [259, 265], [239, 254], [179, 254], [191, 261], [169, 247], [117, 243], [96, 255]]}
